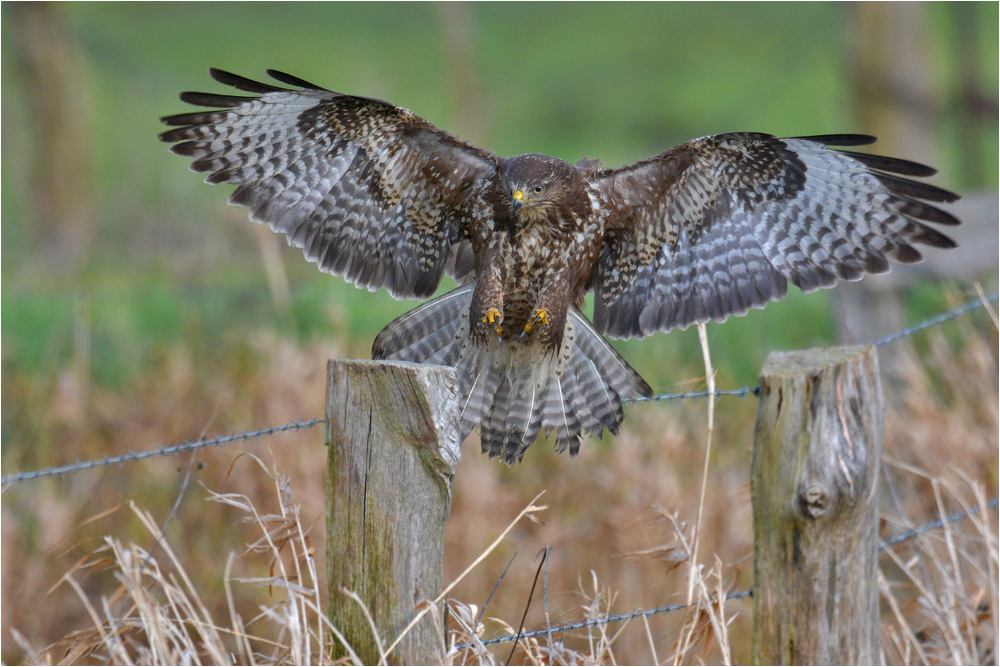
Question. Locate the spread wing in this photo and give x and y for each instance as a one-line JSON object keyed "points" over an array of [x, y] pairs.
{"points": [[367, 189], [719, 225]]}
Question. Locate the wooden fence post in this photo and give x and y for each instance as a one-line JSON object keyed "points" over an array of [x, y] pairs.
{"points": [[814, 483], [392, 433]]}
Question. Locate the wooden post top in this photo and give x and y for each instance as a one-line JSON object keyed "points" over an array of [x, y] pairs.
{"points": [[794, 362]]}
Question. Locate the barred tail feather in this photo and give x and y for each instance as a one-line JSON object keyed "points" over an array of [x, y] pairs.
{"points": [[575, 416], [578, 389], [420, 334], [513, 390], [605, 375], [524, 419], [493, 432]]}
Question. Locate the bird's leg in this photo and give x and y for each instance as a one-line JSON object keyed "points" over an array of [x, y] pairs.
{"points": [[549, 314], [487, 300]]}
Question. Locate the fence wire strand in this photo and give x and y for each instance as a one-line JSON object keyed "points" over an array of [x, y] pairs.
{"points": [[951, 518], [909, 331], [294, 426], [159, 451], [742, 393], [938, 319], [666, 609], [614, 618]]}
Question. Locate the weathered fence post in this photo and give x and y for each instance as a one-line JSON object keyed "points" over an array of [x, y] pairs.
{"points": [[392, 433], [814, 483]]}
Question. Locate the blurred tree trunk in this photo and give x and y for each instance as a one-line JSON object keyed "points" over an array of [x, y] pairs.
{"points": [[894, 95], [975, 107], [458, 39], [61, 165], [895, 100]]}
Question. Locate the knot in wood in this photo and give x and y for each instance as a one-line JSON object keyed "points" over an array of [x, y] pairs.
{"points": [[814, 502]]}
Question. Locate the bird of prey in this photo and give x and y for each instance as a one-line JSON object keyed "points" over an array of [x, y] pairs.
{"points": [[710, 228]]}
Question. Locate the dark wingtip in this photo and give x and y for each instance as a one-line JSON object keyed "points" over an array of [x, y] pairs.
{"points": [[915, 189], [290, 80], [218, 74], [892, 164], [840, 139], [243, 83], [213, 99]]}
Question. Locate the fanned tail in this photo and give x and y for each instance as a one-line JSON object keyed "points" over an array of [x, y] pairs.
{"points": [[430, 333], [515, 390]]}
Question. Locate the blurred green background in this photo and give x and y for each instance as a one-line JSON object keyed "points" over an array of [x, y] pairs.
{"points": [[99, 218], [137, 307]]}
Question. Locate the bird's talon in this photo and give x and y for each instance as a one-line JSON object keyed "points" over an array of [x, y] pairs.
{"points": [[539, 317], [493, 319]]}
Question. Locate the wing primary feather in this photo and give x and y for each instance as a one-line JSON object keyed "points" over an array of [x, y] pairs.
{"points": [[187, 119], [923, 211], [928, 236], [892, 164], [840, 139], [214, 99], [290, 80], [904, 186], [243, 83]]}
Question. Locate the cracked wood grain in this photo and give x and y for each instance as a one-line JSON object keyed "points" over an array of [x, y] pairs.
{"points": [[392, 434], [814, 484]]}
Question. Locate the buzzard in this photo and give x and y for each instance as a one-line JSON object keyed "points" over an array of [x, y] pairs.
{"points": [[710, 228]]}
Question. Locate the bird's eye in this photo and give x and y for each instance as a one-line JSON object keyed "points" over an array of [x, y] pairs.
{"points": [[538, 189]]}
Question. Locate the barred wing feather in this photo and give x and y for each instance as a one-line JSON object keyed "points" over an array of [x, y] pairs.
{"points": [[367, 189], [721, 224]]}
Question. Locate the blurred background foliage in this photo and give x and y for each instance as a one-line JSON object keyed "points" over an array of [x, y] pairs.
{"points": [[94, 207], [122, 273]]}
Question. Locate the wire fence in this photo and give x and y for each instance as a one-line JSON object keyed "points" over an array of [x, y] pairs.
{"points": [[666, 609], [594, 622], [909, 331], [159, 451], [565, 627], [55, 471], [937, 319]]}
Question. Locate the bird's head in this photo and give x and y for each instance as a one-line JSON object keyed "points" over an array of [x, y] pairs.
{"points": [[534, 184]]}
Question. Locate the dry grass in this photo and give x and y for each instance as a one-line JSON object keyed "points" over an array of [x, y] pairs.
{"points": [[943, 590], [620, 525], [157, 615]]}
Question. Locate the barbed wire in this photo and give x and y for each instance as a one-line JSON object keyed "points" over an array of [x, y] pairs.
{"points": [[937, 319], [742, 393], [951, 518], [248, 435], [666, 609], [909, 331], [159, 451], [592, 623]]}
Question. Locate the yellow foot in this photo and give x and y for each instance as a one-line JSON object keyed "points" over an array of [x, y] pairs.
{"points": [[539, 318], [493, 319]]}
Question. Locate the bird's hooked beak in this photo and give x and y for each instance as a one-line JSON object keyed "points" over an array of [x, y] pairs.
{"points": [[517, 199]]}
